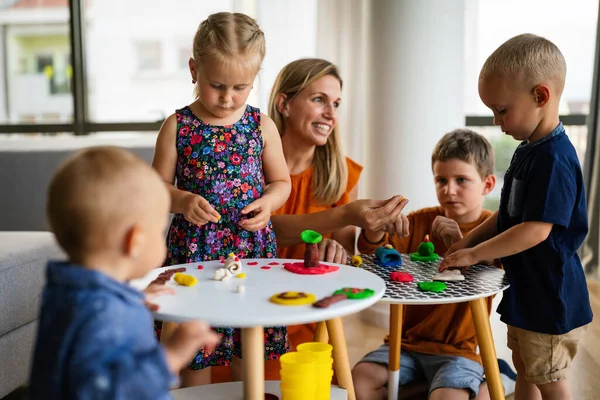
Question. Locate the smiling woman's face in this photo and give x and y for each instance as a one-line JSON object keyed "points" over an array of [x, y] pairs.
{"points": [[313, 113]]}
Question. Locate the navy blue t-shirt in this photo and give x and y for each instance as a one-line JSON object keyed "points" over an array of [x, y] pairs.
{"points": [[95, 341], [548, 291]]}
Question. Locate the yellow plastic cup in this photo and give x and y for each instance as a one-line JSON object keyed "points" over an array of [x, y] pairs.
{"points": [[297, 362], [298, 379], [322, 351], [296, 395]]}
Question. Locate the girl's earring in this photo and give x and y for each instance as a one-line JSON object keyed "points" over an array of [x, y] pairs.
{"points": [[194, 81]]}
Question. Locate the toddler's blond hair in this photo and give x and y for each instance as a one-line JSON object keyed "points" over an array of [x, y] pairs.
{"points": [[96, 196], [530, 60]]}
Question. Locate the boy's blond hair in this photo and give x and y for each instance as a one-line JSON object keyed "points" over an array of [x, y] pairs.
{"points": [[331, 170], [529, 59], [96, 196], [468, 146]]}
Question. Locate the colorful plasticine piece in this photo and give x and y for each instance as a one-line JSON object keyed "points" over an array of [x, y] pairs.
{"points": [[311, 253], [185, 279], [343, 294], [356, 261], [425, 251], [293, 298], [397, 276], [387, 257], [436, 287]]}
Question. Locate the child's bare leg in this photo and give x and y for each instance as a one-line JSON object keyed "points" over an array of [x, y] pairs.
{"points": [[558, 390], [369, 381], [449, 394], [523, 389], [237, 370], [197, 377], [484, 393]]}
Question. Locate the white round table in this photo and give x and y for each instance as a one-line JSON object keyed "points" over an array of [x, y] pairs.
{"points": [[219, 304], [481, 281]]}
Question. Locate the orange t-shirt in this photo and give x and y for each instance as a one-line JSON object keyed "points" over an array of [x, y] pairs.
{"points": [[302, 201], [433, 329]]}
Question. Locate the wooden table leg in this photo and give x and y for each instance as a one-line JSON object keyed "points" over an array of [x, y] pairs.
{"points": [[340, 356], [321, 334], [481, 319], [167, 330], [253, 361], [395, 344]]}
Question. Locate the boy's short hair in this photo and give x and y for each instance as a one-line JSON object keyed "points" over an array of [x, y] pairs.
{"points": [[95, 196], [468, 146], [529, 58]]}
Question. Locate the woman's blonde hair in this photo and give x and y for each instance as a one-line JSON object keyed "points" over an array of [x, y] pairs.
{"points": [[329, 162], [230, 37]]}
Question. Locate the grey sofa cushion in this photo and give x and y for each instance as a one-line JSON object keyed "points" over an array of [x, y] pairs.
{"points": [[23, 258], [16, 348]]}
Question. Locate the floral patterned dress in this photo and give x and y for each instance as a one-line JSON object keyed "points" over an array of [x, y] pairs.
{"points": [[223, 164]]}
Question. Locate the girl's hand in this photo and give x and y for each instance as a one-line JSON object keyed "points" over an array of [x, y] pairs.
{"points": [[446, 229], [199, 211], [332, 251], [262, 214], [153, 291]]}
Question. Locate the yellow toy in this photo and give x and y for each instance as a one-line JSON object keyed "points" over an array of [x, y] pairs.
{"points": [[293, 298], [185, 279], [356, 261]]}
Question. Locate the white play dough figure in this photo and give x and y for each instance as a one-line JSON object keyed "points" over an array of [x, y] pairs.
{"points": [[241, 289], [233, 264], [221, 274], [449, 275]]}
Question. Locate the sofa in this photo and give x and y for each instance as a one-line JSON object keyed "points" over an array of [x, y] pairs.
{"points": [[23, 257]]}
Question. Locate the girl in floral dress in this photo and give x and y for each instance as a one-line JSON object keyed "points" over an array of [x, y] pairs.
{"points": [[223, 163]]}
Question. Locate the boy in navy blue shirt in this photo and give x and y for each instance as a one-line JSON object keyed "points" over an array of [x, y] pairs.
{"points": [[542, 220], [108, 210]]}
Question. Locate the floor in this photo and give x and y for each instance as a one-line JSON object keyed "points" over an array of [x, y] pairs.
{"points": [[363, 337]]}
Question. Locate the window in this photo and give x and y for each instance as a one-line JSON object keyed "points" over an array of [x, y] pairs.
{"points": [[35, 72], [148, 54]]}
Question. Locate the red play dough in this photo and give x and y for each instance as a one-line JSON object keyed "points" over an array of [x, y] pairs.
{"points": [[200, 266], [273, 263], [265, 267], [401, 277], [252, 263], [299, 268]]}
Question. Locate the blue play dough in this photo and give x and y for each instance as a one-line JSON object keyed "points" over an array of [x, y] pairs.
{"points": [[386, 257]]}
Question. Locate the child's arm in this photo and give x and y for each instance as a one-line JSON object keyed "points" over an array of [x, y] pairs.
{"points": [[194, 207], [277, 179], [512, 241]]}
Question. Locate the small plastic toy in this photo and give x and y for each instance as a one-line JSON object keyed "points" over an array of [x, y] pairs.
{"points": [[425, 251]]}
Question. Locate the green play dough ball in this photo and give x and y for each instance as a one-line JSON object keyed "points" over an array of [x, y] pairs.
{"points": [[436, 287], [425, 249], [311, 237], [361, 294]]}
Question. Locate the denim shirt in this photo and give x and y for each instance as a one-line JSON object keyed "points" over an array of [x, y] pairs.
{"points": [[95, 340]]}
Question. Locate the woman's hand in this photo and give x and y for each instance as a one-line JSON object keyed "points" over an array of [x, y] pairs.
{"points": [[332, 251], [380, 215], [197, 210]]}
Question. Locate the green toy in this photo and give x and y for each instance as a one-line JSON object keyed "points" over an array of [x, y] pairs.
{"points": [[436, 287], [355, 293], [425, 251], [311, 237]]}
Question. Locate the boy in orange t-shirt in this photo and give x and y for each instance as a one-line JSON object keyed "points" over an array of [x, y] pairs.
{"points": [[438, 341]]}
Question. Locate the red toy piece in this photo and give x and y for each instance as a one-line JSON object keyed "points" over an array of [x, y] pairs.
{"points": [[397, 276]]}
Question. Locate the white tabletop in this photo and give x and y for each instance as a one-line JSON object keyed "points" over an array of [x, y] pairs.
{"points": [[233, 391], [218, 303], [480, 281]]}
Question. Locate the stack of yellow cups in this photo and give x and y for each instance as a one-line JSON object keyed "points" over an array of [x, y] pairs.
{"points": [[298, 376], [323, 369]]}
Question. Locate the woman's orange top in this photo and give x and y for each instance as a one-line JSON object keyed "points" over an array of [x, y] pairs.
{"points": [[302, 201]]}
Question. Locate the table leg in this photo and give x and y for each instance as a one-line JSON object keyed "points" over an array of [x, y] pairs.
{"points": [[321, 334], [167, 330], [395, 344], [340, 356], [481, 320], [253, 362]]}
